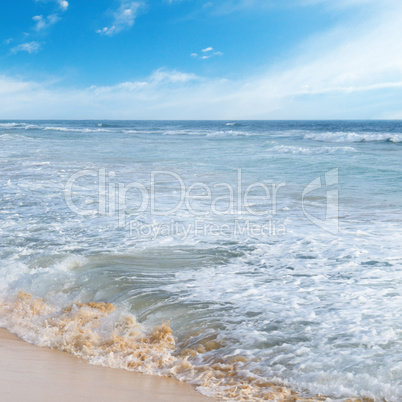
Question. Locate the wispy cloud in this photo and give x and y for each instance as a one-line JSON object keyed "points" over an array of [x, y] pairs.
{"points": [[123, 18], [42, 23], [173, 76], [15, 87], [29, 47], [45, 22], [158, 78], [146, 96], [207, 53]]}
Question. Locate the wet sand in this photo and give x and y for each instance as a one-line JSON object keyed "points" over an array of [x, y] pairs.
{"points": [[28, 372]]}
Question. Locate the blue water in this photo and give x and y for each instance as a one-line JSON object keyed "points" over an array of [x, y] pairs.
{"points": [[302, 281]]}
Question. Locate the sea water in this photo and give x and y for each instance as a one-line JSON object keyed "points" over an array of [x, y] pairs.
{"points": [[252, 259]]}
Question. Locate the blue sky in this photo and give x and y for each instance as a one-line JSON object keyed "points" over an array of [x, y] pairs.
{"points": [[199, 59]]}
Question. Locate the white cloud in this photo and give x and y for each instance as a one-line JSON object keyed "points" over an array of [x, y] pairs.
{"points": [[174, 76], [140, 99], [30, 47], [158, 78], [207, 53], [123, 18], [63, 4], [353, 71], [12, 86], [43, 23]]}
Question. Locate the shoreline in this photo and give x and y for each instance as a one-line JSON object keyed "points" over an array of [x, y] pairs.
{"points": [[29, 372]]}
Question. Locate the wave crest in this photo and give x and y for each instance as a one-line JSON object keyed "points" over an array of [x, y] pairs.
{"points": [[101, 334], [353, 137], [77, 130]]}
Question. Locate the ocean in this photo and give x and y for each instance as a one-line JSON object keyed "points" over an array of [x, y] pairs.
{"points": [[251, 259]]}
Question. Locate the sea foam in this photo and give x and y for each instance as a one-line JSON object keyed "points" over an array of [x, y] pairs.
{"points": [[103, 335], [353, 137]]}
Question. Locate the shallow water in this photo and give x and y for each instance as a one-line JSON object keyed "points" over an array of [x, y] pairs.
{"points": [[295, 281]]}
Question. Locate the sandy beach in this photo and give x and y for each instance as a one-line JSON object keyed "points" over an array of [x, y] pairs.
{"points": [[28, 372]]}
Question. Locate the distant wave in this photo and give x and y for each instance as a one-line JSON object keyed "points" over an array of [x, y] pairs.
{"points": [[289, 149], [231, 133], [187, 132], [353, 137], [77, 130], [26, 126], [209, 133], [32, 127], [109, 125], [11, 125]]}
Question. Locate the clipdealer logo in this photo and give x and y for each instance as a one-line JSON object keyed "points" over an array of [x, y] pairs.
{"points": [[166, 194]]}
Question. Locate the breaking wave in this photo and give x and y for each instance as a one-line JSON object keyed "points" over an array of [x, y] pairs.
{"points": [[104, 335], [25, 126], [76, 130], [209, 133], [353, 137]]}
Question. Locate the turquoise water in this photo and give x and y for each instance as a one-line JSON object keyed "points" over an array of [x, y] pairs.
{"points": [[304, 283]]}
